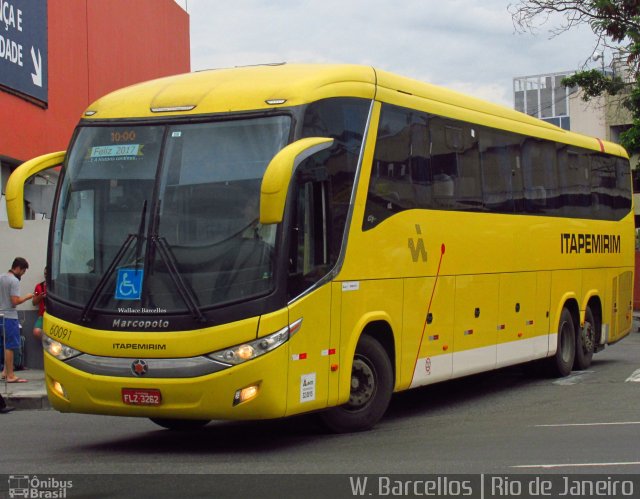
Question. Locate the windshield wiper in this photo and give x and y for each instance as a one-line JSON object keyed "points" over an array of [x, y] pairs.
{"points": [[140, 233], [185, 291], [168, 258], [105, 277], [88, 309]]}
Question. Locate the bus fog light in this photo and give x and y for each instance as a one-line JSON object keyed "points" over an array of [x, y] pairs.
{"points": [[245, 394], [57, 387]]}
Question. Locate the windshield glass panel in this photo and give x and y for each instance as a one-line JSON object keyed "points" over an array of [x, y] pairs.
{"points": [[108, 182], [209, 210], [126, 242]]}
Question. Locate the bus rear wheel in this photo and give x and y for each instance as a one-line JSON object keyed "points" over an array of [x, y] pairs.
{"points": [[585, 342], [371, 389], [180, 424], [561, 363]]}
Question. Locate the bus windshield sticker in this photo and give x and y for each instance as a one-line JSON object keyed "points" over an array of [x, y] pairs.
{"points": [[120, 152], [129, 284]]}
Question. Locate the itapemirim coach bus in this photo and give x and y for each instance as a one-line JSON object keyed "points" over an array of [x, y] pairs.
{"points": [[265, 241]]}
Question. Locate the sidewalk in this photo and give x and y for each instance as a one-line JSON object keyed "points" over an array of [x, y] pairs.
{"points": [[30, 395]]}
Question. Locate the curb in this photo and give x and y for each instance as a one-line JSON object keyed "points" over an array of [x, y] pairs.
{"points": [[27, 402], [28, 396]]}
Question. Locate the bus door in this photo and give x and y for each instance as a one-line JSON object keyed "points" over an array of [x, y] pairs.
{"points": [[310, 348]]}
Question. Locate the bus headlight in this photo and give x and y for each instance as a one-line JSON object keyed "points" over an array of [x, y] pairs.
{"points": [[247, 351], [59, 350]]}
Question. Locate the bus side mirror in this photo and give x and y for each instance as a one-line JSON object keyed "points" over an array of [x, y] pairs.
{"points": [[15, 185], [275, 183]]}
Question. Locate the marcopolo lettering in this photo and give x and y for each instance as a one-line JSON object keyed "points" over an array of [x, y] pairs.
{"points": [[142, 324], [589, 243]]}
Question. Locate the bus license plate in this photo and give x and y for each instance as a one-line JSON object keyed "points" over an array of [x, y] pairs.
{"points": [[141, 396]]}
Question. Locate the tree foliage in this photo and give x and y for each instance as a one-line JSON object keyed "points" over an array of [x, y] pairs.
{"points": [[616, 24]]}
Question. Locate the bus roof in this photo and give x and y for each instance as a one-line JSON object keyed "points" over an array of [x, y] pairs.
{"points": [[284, 85]]}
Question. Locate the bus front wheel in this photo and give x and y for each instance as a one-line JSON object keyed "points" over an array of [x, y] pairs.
{"points": [[585, 341], [371, 389], [561, 363], [180, 424]]}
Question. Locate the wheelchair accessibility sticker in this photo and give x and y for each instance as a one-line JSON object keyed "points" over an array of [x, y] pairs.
{"points": [[129, 284]]}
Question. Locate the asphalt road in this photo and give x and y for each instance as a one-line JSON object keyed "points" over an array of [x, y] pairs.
{"points": [[508, 421]]}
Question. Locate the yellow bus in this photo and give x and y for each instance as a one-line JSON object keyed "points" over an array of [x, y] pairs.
{"points": [[266, 241]]}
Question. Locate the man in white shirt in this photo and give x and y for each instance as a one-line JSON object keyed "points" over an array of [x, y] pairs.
{"points": [[9, 299]]}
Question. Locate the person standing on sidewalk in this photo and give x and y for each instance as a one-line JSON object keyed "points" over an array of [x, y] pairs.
{"points": [[39, 294], [9, 299]]}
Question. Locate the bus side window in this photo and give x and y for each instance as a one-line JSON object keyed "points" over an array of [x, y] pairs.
{"points": [[444, 162], [455, 164], [603, 186], [623, 194], [540, 179], [421, 173], [390, 186], [501, 172], [575, 175], [496, 172], [469, 185]]}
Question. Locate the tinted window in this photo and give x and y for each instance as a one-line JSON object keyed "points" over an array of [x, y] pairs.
{"points": [[343, 120], [431, 162], [624, 188], [391, 184], [455, 164], [501, 172], [603, 186], [539, 176], [574, 174], [421, 161]]}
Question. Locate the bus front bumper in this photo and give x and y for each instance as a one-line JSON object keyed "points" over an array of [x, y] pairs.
{"points": [[213, 396]]}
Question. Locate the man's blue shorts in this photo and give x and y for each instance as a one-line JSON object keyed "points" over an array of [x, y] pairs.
{"points": [[11, 333]]}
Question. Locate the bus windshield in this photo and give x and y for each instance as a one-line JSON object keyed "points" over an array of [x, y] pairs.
{"points": [[161, 218]]}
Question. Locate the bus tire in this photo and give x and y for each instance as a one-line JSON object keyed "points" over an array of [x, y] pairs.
{"points": [[585, 342], [371, 389], [562, 362], [180, 424]]}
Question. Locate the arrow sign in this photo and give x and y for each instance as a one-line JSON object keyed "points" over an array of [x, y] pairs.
{"points": [[37, 64]]}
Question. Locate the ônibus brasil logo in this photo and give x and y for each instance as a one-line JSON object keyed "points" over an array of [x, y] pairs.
{"points": [[41, 488]]}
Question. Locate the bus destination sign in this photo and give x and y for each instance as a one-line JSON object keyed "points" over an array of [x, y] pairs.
{"points": [[24, 48]]}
